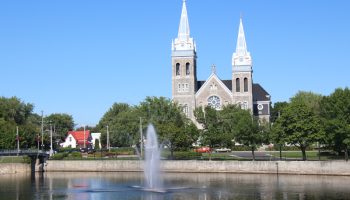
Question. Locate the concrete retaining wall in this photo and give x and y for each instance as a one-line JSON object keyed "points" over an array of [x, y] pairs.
{"points": [[13, 168], [263, 167]]}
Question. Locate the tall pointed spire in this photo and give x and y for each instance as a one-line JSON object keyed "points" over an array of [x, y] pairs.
{"points": [[241, 48], [184, 27], [184, 40], [242, 55]]}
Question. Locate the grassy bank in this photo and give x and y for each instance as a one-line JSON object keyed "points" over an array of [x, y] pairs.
{"points": [[14, 159]]}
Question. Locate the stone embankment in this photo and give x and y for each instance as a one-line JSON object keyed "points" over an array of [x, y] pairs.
{"points": [[340, 168], [13, 168]]}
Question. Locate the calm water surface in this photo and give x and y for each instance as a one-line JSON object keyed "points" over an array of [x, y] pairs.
{"points": [[101, 186]]}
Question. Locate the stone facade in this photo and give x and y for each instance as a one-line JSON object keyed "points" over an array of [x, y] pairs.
{"points": [[190, 93]]}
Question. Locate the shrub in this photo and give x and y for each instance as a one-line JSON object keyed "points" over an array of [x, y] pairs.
{"points": [[75, 155], [124, 151], [185, 155], [67, 149], [59, 156]]}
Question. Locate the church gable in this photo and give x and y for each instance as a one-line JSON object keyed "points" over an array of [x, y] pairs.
{"points": [[213, 92]]}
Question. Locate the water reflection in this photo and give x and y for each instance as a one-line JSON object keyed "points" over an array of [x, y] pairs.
{"points": [[88, 186]]}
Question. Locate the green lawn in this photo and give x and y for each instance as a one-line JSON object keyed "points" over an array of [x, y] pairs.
{"points": [[310, 155], [14, 159]]}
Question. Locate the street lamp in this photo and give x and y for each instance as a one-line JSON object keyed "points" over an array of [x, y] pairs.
{"points": [[51, 150], [108, 145]]}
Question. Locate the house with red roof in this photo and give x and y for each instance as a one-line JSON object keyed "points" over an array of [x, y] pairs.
{"points": [[77, 139]]}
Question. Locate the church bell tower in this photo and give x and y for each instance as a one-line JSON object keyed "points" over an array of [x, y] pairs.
{"points": [[184, 69], [242, 83]]}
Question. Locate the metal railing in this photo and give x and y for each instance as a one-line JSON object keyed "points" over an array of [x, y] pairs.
{"points": [[5, 152]]}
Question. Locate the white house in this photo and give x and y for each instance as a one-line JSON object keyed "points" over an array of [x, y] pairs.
{"points": [[69, 142], [75, 139]]}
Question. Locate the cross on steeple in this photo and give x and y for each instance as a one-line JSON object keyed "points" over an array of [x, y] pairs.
{"points": [[213, 69]]}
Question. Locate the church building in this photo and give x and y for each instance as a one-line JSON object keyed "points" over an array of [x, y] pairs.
{"points": [[190, 93]]}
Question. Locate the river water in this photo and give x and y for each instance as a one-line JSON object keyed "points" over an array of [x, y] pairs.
{"points": [[189, 186]]}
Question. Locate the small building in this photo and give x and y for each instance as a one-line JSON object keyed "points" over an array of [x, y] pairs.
{"points": [[96, 136], [77, 139]]}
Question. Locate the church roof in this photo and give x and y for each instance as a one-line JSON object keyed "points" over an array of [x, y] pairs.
{"points": [[259, 93], [228, 84]]}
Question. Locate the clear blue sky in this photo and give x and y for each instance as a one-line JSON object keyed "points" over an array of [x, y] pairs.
{"points": [[79, 57]]}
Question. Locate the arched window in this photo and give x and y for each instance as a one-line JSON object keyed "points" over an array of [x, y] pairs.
{"points": [[238, 86], [187, 68], [177, 69], [245, 85]]}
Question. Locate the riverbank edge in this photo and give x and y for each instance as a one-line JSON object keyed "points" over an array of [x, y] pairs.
{"points": [[14, 168], [331, 168]]}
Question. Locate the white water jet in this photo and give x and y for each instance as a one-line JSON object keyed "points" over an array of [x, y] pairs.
{"points": [[152, 161]]}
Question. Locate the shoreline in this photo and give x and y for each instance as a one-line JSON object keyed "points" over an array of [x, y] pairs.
{"points": [[328, 168]]}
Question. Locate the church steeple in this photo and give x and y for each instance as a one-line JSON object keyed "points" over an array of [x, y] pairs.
{"points": [[241, 47], [184, 66], [184, 40], [241, 56], [184, 27], [242, 72]]}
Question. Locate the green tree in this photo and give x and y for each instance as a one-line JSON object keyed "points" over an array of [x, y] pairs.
{"points": [[213, 131], [123, 123], [247, 130], [335, 109], [13, 109], [300, 124], [277, 135], [173, 128], [62, 122], [309, 99], [14, 112], [277, 109]]}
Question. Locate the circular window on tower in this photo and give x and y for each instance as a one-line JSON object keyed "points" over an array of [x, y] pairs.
{"points": [[214, 102]]}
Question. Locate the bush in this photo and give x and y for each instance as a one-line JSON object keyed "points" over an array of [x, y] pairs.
{"points": [[68, 149], [184, 155], [75, 155], [59, 156], [124, 151]]}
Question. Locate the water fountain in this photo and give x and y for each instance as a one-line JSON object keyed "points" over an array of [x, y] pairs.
{"points": [[152, 172]]}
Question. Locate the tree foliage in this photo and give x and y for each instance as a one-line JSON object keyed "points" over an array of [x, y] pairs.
{"points": [[299, 124], [335, 109], [61, 122], [222, 127], [123, 123], [14, 112], [213, 133], [173, 128]]}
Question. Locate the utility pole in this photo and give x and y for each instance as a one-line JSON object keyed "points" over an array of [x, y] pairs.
{"points": [[17, 137], [141, 136], [84, 138], [51, 149], [42, 130], [38, 140], [108, 145]]}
